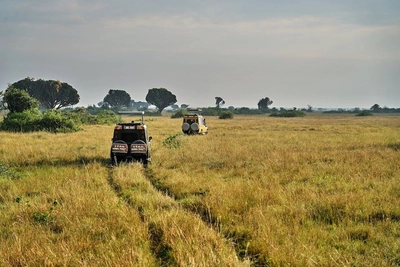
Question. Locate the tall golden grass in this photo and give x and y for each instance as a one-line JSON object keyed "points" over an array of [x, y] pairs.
{"points": [[256, 191]]}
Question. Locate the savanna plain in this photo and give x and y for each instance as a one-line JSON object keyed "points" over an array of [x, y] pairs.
{"points": [[321, 190]]}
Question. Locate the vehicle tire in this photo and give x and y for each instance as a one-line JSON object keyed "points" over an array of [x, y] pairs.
{"points": [[185, 126], [194, 127], [114, 159]]}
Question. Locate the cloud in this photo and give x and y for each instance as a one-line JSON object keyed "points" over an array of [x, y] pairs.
{"points": [[294, 47], [302, 36]]}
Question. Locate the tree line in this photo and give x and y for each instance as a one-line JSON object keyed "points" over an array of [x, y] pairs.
{"points": [[53, 94]]}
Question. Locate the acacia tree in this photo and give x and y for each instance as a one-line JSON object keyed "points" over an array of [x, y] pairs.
{"points": [[375, 107], [161, 98], [1, 100], [17, 100], [117, 98], [264, 103], [219, 101], [183, 106], [50, 93]]}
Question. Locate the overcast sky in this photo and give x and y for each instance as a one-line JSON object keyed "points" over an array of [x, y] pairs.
{"points": [[323, 53]]}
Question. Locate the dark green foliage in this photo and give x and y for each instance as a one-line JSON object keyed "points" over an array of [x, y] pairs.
{"points": [[18, 199], [213, 111], [117, 99], [2, 100], [179, 114], [8, 173], [248, 111], [375, 108], [93, 110], [26, 121], [226, 115], [56, 121], [172, 141], [210, 111], [161, 98], [50, 93], [288, 114], [365, 113], [34, 120], [42, 217], [107, 117], [19, 100], [264, 103], [219, 101], [81, 116], [394, 146]]}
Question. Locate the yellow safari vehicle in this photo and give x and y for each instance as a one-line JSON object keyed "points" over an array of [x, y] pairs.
{"points": [[194, 123]]}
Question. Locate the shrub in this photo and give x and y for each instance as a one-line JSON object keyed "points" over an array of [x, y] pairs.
{"points": [[95, 110], [26, 121], [179, 114], [107, 117], [210, 111], [81, 116], [19, 100], [172, 141], [248, 111], [365, 113], [226, 115], [288, 114], [56, 121], [8, 173]]}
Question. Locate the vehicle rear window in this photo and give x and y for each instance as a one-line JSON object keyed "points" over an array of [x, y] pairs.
{"points": [[129, 136]]}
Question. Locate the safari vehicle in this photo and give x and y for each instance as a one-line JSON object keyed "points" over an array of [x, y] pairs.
{"points": [[130, 142], [194, 123]]}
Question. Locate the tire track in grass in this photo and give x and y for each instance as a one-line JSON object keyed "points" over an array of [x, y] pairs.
{"points": [[239, 240], [178, 237]]}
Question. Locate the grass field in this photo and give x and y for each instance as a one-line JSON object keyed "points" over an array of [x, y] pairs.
{"points": [[320, 190]]}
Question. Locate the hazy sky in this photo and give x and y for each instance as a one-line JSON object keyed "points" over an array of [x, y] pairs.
{"points": [[323, 53]]}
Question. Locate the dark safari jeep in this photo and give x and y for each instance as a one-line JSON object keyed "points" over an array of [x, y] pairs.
{"points": [[130, 142]]}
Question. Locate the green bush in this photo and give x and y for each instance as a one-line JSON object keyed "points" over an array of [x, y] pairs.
{"points": [[95, 110], [56, 121], [179, 114], [248, 111], [210, 111], [172, 141], [288, 114], [226, 115], [81, 116], [107, 117], [8, 173], [26, 121], [365, 113]]}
